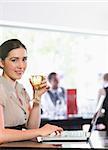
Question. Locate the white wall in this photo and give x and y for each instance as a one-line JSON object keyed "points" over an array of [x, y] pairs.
{"points": [[1, 11], [84, 15]]}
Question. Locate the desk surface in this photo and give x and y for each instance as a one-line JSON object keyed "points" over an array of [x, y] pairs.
{"points": [[34, 145], [73, 123], [97, 141]]}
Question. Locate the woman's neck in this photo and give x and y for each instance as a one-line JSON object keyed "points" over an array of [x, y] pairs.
{"points": [[12, 82]]}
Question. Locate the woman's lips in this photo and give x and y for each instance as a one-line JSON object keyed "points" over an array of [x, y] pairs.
{"points": [[19, 72]]}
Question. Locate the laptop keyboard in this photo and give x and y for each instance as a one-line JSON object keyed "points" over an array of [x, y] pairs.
{"points": [[74, 134]]}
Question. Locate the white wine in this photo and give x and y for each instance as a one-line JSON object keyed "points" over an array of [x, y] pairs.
{"points": [[36, 80]]}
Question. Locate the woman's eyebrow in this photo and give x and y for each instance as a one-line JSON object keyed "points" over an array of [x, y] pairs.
{"points": [[17, 57], [13, 57]]}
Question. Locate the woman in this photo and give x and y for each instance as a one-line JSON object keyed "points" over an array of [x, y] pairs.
{"points": [[15, 110]]}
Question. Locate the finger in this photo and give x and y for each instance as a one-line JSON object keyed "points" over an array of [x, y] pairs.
{"points": [[44, 81], [60, 132], [57, 132], [30, 80], [48, 87], [43, 85], [60, 129]]}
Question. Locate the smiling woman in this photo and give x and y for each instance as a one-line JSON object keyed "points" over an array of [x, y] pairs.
{"points": [[13, 61], [15, 110]]}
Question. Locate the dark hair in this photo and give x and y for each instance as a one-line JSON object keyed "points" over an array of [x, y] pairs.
{"points": [[105, 76], [9, 45], [51, 75]]}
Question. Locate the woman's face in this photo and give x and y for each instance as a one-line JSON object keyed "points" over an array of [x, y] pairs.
{"points": [[15, 64]]}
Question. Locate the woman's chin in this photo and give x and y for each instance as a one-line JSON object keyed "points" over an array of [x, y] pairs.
{"points": [[18, 77]]}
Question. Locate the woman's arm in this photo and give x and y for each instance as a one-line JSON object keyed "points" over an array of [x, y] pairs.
{"points": [[100, 93], [9, 135], [34, 117]]}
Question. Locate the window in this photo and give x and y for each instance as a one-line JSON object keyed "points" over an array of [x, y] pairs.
{"points": [[79, 58]]}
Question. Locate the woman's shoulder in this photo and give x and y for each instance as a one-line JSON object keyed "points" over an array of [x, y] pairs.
{"points": [[102, 91], [1, 79]]}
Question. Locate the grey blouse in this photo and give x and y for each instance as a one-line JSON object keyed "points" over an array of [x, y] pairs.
{"points": [[15, 102]]}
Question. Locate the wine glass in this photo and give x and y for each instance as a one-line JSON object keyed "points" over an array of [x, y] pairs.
{"points": [[36, 80]]}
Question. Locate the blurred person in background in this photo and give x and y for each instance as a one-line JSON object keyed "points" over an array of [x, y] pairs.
{"points": [[53, 102], [104, 91]]}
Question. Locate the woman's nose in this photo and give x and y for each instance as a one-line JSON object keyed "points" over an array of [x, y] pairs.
{"points": [[21, 64]]}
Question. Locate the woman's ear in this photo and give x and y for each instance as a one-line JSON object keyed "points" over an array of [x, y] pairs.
{"points": [[1, 63]]}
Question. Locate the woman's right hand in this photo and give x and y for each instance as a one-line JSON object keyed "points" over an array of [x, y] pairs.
{"points": [[43, 86], [48, 129]]}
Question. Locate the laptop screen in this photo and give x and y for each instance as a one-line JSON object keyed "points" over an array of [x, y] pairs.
{"points": [[97, 113]]}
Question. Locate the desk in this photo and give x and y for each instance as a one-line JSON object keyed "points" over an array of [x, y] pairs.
{"points": [[98, 141], [72, 123], [66, 124], [27, 145]]}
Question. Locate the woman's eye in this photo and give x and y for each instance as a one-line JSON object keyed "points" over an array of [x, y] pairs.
{"points": [[13, 60], [25, 59]]}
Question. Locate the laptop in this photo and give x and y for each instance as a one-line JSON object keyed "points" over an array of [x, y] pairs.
{"points": [[75, 135]]}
